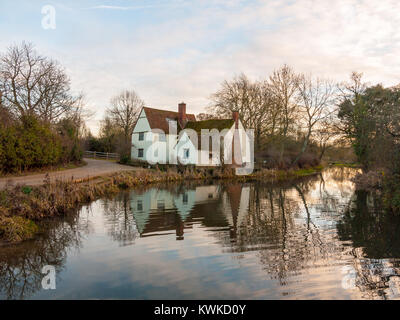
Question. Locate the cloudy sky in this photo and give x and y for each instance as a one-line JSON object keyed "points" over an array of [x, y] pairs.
{"points": [[181, 50]]}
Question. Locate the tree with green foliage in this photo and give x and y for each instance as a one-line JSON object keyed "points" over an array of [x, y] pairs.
{"points": [[370, 119], [28, 144]]}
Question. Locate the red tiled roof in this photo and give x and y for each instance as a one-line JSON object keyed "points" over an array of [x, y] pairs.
{"points": [[158, 119]]}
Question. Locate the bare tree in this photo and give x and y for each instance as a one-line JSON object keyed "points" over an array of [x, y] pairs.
{"points": [[352, 89], [33, 84], [271, 110], [124, 111], [326, 134], [316, 103], [283, 86], [79, 114], [244, 96]]}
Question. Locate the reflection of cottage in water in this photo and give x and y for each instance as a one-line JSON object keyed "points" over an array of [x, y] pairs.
{"points": [[157, 212], [236, 204], [156, 201]]}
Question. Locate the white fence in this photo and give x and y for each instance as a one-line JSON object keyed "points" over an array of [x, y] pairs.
{"points": [[101, 155]]}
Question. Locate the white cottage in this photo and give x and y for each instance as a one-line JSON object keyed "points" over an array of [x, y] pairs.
{"points": [[168, 137]]}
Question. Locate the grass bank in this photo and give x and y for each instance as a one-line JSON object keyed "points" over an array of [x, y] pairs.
{"points": [[22, 207], [346, 165]]}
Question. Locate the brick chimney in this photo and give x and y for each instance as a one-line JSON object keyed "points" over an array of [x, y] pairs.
{"points": [[235, 117], [182, 114]]}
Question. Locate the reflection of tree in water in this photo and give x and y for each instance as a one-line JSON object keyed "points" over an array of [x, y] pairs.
{"points": [[335, 186], [120, 222], [280, 226], [375, 235], [21, 265]]}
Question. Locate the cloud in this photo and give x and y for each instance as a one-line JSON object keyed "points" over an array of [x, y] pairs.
{"points": [[183, 50], [124, 8], [183, 59]]}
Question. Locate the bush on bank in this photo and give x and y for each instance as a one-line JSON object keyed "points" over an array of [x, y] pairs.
{"points": [[30, 144]]}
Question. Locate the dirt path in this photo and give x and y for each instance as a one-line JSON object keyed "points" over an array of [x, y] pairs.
{"points": [[94, 168]]}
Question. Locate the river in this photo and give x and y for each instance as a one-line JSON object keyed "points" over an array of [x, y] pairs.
{"points": [[315, 238]]}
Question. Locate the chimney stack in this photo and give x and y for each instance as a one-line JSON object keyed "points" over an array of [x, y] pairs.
{"points": [[235, 117], [182, 114]]}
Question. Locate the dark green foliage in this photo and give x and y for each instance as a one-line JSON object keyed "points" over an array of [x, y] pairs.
{"points": [[70, 143], [124, 159], [371, 121], [26, 190], [219, 124], [30, 144], [370, 227]]}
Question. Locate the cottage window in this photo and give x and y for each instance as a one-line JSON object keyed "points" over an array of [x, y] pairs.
{"points": [[140, 153], [186, 153], [185, 198], [141, 136], [140, 205]]}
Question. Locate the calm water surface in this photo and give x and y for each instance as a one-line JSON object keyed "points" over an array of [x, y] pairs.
{"points": [[313, 239]]}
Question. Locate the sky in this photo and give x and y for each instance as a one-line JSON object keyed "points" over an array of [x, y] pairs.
{"points": [[171, 51]]}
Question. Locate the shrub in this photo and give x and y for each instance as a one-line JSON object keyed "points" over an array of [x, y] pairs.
{"points": [[124, 159], [37, 145], [30, 144], [70, 143]]}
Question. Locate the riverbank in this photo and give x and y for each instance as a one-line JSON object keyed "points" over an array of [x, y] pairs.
{"points": [[346, 165], [387, 185], [22, 207]]}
